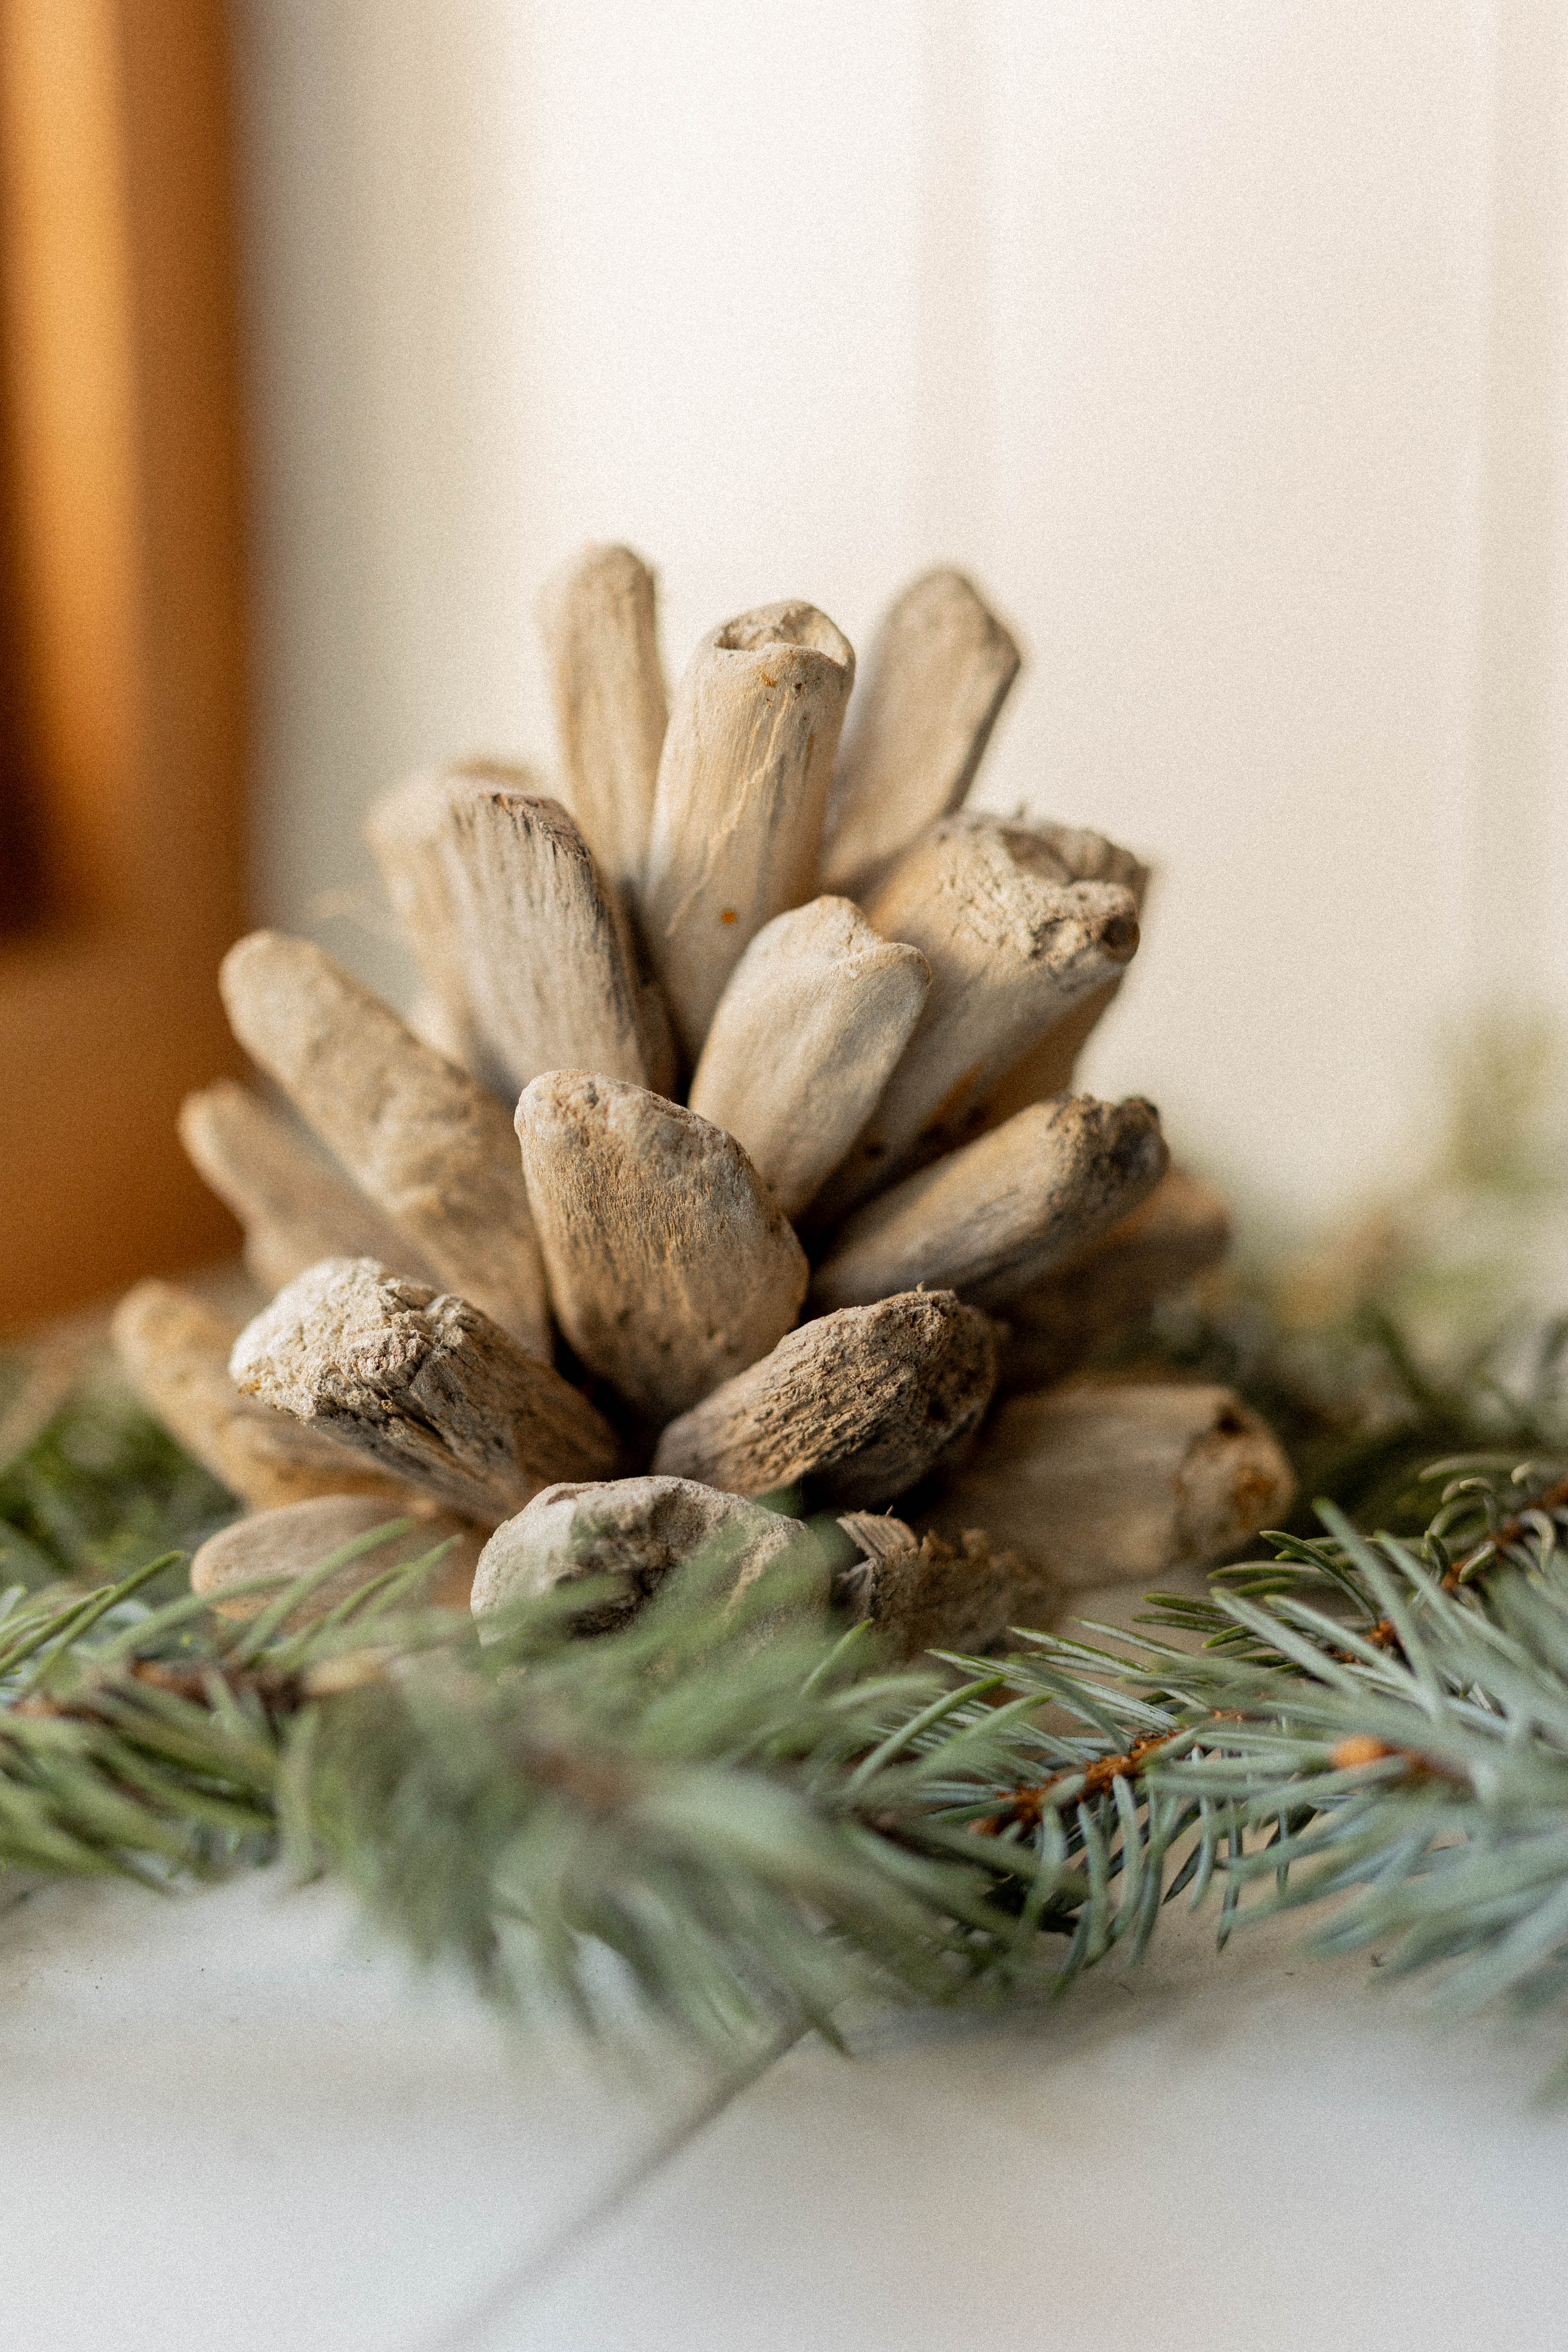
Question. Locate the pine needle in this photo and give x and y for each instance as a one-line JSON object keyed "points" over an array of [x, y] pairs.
{"points": [[762, 1825]]}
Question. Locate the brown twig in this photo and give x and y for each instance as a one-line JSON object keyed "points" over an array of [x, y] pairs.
{"points": [[1026, 1806]]}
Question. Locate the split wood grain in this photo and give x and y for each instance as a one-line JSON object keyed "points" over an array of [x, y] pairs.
{"points": [[295, 1208], [864, 1403], [1180, 1231], [743, 792], [939, 673], [431, 1146], [1112, 1484], [174, 1348], [422, 1384], [406, 830], [989, 1221], [1013, 944], [286, 1542], [551, 966], [804, 1038], [600, 623], [670, 1264], [637, 1532], [1048, 1067], [923, 1593]]}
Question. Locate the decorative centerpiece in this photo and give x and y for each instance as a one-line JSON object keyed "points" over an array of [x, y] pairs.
{"points": [[726, 1189], [730, 1149]]}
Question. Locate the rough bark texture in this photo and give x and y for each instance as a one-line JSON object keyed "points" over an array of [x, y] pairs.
{"points": [[743, 790], [804, 1038], [406, 831], [670, 1264], [637, 1531], [430, 1146], [939, 673], [864, 1403], [295, 1208], [1112, 1484], [551, 968], [175, 1350], [989, 1221], [923, 1593], [600, 625], [422, 1383], [301, 1535], [1048, 1067], [1180, 1230], [1013, 943]]}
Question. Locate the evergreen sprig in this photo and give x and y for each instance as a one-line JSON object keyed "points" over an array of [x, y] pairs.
{"points": [[759, 1822], [1375, 1723]]}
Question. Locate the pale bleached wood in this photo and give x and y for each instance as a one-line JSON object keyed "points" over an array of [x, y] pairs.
{"points": [[174, 1348], [295, 1208], [599, 620], [457, 1040], [422, 1384], [1112, 1484], [1049, 1066], [743, 790], [639, 1531], [406, 831], [299, 1535], [806, 1036], [670, 1264], [1013, 943], [923, 1593], [938, 675], [551, 967], [1182, 1228], [430, 1146], [863, 1404], [989, 1221]]}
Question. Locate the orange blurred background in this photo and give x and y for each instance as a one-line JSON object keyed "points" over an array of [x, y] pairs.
{"points": [[121, 636]]}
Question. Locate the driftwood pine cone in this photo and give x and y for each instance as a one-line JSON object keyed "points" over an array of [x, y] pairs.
{"points": [[730, 1144]]}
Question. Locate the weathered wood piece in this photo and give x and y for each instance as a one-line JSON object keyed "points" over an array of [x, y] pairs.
{"points": [[1048, 1067], [639, 1531], [407, 829], [923, 1593], [600, 626], [432, 1148], [863, 1403], [1110, 1485], [1013, 944], [989, 1221], [299, 1536], [295, 1208], [551, 965], [1182, 1228], [424, 1384], [671, 1265], [804, 1038], [174, 1348], [743, 789], [938, 675]]}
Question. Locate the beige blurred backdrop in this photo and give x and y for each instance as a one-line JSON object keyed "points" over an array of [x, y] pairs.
{"points": [[1221, 338]]}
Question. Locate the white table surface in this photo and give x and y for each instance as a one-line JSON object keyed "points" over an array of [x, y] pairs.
{"points": [[228, 2121]]}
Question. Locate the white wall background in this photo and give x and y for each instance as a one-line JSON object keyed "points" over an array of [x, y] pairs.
{"points": [[1220, 338]]}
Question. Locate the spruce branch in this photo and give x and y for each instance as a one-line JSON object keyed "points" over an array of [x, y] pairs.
{"points": [[759, 1821], [1372, 1724]]}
